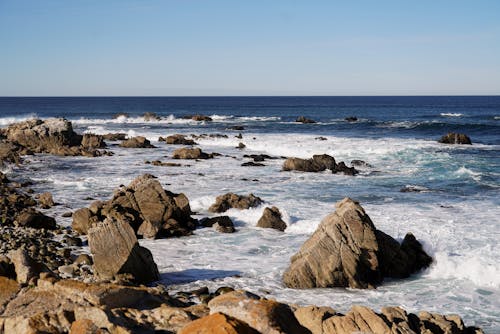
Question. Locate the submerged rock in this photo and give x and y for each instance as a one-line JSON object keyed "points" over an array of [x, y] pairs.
{"points": [[231, 200], [455, 138], [271, 218], [302, 119], [318, 163], [348, 251], [115, 250]]}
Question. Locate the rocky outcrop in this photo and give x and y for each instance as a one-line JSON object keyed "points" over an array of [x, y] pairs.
{"points": [[217, 323], [190, 153], [265, 316], [10, 153], [53, 136], [302, 119], [318, 163], [455, 138], [114, 136], [137, 142], [177, 139], [231, 200], [347, 250], [116, 251], [151, 211], [271, 218]]}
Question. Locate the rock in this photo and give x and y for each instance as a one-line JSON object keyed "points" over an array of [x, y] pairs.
{"points": [[252, 164], [241, 146], [224, 225], [35, 219], [347, 251], [455, 138], [271, 218], [302, 119], [85, 326], [318, 163], [351, 119], [115, 250], [9, 153], [265, 316], [190, 153], [115, 136], [236, 128], [259, 157], [217, 323], [7, 269], [136, 142], [198, 118], [8, 290], [26, 268], [45, 200], [177, 139], [91, 141], [312, 317], [83, 220], [84, 259], [360, 163], [164, 164], [359, 319], [321, 138], [231, 200], [150, 116]]}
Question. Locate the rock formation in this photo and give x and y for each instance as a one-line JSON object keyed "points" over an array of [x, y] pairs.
{"points": [[190, 153], [347, 250], [318, 163], [271, 218], [231, 200], [136, 142], [177, 139], [302, 119], [455, 138]]}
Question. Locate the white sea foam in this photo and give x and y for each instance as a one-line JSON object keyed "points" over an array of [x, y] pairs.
{"points": [[451, 114], [4, 121]]}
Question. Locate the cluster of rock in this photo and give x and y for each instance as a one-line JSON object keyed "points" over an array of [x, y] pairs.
{"points": [[53, 136], [318, 163], [151, 211], [347, 250], [455, 138]]}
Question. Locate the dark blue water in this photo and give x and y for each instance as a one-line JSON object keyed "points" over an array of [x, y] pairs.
{"points": [[405, 117]]}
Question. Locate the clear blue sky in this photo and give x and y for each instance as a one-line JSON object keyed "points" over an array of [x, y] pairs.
{"points": [[254, 47]]}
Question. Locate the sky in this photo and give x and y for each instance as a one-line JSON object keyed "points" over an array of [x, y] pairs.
{"points": [[254, 47]]}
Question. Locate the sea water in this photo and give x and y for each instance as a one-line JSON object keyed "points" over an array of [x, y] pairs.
{"points": [[453, 206]]}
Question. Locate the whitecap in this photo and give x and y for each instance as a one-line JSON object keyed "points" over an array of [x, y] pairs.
{"points": [[451, 114], [4, 121]]}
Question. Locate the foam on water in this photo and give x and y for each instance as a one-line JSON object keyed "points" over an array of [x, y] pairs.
{"points": [[451, 114], [4, 121]]}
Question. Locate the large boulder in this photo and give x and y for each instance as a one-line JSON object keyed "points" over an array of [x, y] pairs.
{"points": [[318, 163], [455, 138], [265, 316], [190, 153], [151, 211], [35, 219], [271, 218], [347, 250], [90, 141], [177, 139], [231, 200], [137, 142], [217, 323], [26, 267], [116, 251]]}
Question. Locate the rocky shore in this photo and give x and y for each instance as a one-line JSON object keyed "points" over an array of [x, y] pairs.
{"points": [[49, 283]]}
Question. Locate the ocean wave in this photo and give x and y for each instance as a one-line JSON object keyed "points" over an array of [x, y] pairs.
{"points": [[5, 121], [451, 114], [464, 171]]}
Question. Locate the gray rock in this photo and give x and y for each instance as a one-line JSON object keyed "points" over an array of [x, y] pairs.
{"points": [[271, 218]]}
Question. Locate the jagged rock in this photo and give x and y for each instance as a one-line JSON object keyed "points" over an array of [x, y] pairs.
{"points": [[177, 139], [217, 323], [115, 250], [231, 200], [115, 136], [318, 163], [85, 326], [302, 119], [271, 218], [91, 141], [265, 316], [26, 268], [312, 317], [224, 225], [9, 153], [151, 211], [35, 219], [136, 142], [455, 138], [346, 250], [360, 163], [45, 200], [190, 153]]}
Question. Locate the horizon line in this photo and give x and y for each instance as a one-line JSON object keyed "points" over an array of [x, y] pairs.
{"points": [[236, 96]]}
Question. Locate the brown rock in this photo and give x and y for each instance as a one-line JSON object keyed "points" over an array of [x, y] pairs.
{"points": [[312, 317], [45, 200], [190, 153], [271, 218], [347, 251], [115, 136], [455, 138], [150, 116], [26, 268], [9, 153], [231, 200], [35, 219], [85, 326], [83, 220], [217, 323], [178, 139], [302, 119], [8, 290], [359, 319], [115, 250], [317, 163], [199, 118], [91, 141], [137, 142], [265, 316]]}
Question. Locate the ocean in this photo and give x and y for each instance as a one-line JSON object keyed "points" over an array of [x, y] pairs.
{"points": [[448, 196]]}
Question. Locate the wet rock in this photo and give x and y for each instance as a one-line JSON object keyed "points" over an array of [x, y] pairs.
{"points": [[348, 251], [318, 163], [218, 323], [231, 200], [115, 136], [351, 119], [236, 128], [177, 139], [224, 225], [302, 119], [360, 164], [163, 164], [9, 153], [265, 316], [241, 146], [198, 118], [150, 116], [91, 141], [45, 200], [455, 138], [35, 219], [115, 250], [259, 157], [136, 142], [321, 138], [190, 153], [271, 218], [252, 164]]}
